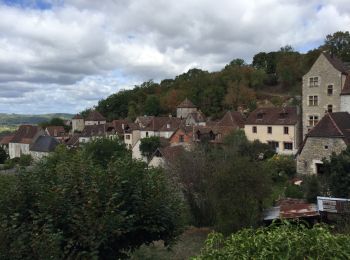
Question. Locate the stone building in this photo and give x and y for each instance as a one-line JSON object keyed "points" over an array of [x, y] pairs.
{"points": [[324, 90], [185, 108], [78, 123], [95, 118], [331, 134]]}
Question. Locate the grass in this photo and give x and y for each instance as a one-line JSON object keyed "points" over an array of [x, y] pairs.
{"points": [[188, 245]]}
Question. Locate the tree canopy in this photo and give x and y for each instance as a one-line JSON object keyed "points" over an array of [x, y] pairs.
{"points": [[69, 207]]}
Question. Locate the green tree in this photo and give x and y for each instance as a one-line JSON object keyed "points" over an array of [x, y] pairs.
{"points": [[152, 106], [149, 145], [67, 207], [338, 44], [102, 150]]}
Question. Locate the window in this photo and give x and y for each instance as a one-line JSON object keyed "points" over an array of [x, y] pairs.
{"points": [[127, 137], [330, 108], [269, 130], [326, 147], [313, 101], [313, 120], [146, 134], [288, 146], [254, 129], [286, 130], [313, 82], [181, 138], [330, 90], [273, 144]]}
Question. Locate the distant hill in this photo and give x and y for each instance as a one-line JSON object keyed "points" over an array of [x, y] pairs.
{"points": [[18, 119]]}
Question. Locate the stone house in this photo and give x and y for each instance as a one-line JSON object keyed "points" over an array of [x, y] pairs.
{"points": [[195, 118], [185, 108], [326, 88], [131, 135], [57, 132], [158, 126], [92, 132], [95, 118], [163, 157], [330, 135], [78, 123], [42, 146], [23, 138], [278, 127]]}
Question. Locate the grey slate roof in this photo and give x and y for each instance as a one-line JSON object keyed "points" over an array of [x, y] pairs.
{"points": [[44, 144]]}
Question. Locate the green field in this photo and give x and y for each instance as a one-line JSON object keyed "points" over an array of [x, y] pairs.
{"points": [[8, 128]]}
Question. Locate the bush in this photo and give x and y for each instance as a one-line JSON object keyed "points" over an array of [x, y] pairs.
{"points": [[278, 242], [282, 166], [68, 207], [294, 191], [25, 160], [3, 155]]}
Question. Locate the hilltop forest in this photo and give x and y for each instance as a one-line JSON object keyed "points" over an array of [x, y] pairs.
{"points": [[274, 76]]}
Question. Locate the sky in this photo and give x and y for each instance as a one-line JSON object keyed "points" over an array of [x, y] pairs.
{"points": [[66, 55]]}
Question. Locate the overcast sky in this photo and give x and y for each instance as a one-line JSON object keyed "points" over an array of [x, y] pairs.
{"points": [[64, 56]]}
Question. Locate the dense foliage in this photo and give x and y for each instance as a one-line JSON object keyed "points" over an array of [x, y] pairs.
{"points": [[3, 155], [149, 145], [272, 75], [68, 207], [287, 241], [225, 187]]}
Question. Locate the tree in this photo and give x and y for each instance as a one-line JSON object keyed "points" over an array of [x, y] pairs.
{"points": [[152, 106], [149, 145], [102, 150], [67, 207], [337, 174], [3, 155], [338, 44]]}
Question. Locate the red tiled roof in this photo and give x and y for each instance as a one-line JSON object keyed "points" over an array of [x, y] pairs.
{"points": [[197, 116], [55, 130], [93, 130], [5, 140], [232, 118], [171, 153], [25, 134], [95, 116], [186, 104], [160, 124], [273, 116], [120, 125]]}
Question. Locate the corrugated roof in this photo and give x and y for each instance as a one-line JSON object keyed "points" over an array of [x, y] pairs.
{"points": [[44, 144]]}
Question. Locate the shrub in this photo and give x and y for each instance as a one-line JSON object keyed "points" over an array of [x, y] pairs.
{"points": [[278, 242]]}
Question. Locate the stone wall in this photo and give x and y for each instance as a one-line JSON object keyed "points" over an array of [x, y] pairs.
{"points": [[315, 149]]}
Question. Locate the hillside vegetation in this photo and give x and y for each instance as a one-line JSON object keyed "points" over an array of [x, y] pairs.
{"points": [[275, 76], [17, 119]]}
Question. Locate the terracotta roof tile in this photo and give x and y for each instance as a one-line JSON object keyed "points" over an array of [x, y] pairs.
{"points": [[232, 118], [273, 116], [95, 116], [93, 130], [25, 134], [56, 131], [186, 104], [5, 140]]}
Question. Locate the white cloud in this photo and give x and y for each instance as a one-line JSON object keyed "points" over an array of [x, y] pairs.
{"points": [[68, 57]]}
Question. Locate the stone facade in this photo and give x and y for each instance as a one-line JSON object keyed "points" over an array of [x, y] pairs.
{"points": [[183, 112], [315, 149], [78, 125], [327, 75]]}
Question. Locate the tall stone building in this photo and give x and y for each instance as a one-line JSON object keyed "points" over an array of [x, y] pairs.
{"points": [[185, 108], [326, 88]]}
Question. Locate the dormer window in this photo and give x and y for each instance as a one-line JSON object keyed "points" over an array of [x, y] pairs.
{"points": [[260, 115], [313, 82], [283, 115], [198, 134], [211, 135]]}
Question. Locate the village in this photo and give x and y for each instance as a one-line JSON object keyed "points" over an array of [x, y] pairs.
{"points": [[310, 132]]}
